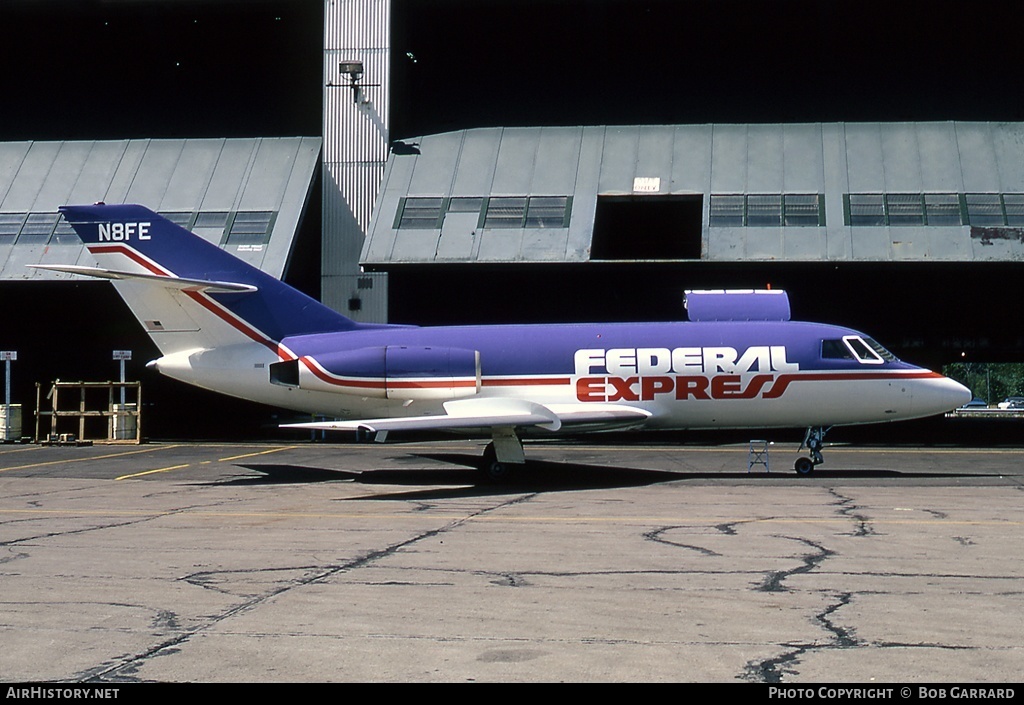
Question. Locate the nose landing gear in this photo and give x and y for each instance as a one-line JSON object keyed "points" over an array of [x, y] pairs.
{"points": [[814, 441]]}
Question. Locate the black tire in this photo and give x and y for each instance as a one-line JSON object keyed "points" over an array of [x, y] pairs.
{"points": [[493, 470], [803, 466]]}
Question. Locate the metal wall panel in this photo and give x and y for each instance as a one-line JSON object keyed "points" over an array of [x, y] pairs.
{"points": [[836, 183], [157, 165], [517, 159], [228, 175], [434, 172], [940, 158], [864, 158], [977, 156], [654, 151], [12, 155], [97, 172], [478, 158], [356, 144], [67, 165], [23, 194], [191, 175], [901, 158], [691, 160], [618, 160], [803, 159], [764, 159], [1008, 144], [729, 159], [584, 201], [127, 169], [558, 156]]}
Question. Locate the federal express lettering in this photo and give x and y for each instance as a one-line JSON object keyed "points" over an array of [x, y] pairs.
{"points": [[123, 232], [644, 374]]}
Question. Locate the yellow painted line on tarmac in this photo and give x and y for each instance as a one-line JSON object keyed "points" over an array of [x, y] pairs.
{"points": [[203, 462], [261, 452], [152, 472], [64, 461]]}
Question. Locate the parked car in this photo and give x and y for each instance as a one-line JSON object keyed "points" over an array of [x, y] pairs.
{"points": [[1012, 403], [975, 404]]}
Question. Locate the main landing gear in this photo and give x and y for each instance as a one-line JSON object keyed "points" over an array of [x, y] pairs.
{"points": [[814, 441], [503, 455]]}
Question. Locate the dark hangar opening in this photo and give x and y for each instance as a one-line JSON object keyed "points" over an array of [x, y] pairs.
{"points": [[647, 228]]}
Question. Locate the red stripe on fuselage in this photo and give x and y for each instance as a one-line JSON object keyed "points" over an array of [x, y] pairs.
{"points": [[328, 378]]}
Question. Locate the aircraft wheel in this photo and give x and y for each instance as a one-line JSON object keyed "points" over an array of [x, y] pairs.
{"points": [[493, 469], [496, 471], [803, 466]]}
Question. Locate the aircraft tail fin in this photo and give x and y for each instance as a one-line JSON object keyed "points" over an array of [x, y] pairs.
{"points": [[185, 291]]}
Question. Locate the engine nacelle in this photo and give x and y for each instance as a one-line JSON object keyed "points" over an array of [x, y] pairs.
{"points": [[389, 372]]}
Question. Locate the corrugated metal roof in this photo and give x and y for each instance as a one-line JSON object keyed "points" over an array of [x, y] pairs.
{"points": [[245, 194], [900, 162]]}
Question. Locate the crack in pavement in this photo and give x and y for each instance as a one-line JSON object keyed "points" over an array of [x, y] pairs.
{"points": [[657, 537], [124, 668]]}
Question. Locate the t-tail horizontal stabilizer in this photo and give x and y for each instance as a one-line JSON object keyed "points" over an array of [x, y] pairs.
{"points": [[162, 280], [205, 297]]}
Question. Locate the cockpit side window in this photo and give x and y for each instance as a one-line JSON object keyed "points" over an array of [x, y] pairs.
{"points": [[835, 350], [853, 347]]}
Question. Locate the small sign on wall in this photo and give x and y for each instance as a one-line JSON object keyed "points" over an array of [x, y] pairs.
{"points": [[646, 184]]}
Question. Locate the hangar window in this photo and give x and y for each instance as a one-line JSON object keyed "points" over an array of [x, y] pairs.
{"points": [[985, 209], [766, 210], [462, 204], [547, 212], [505, 212], [865, 209], [10, 226], [942, 209], [184, 219], [1013, 204], [804, 209], [421, 213], [64, 234], [896, 209], [250, 228], [527, 212], [726, 210], [905, 208], [38, 228]]}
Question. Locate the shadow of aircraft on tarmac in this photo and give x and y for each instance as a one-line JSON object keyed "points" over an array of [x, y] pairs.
{"points": [[535, 476]]}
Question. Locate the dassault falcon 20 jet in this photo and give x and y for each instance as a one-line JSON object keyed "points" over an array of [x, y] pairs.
{"points": [[738, 362]]}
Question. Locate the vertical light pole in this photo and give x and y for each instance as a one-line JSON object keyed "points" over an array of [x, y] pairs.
{"points": [[8, 356]]}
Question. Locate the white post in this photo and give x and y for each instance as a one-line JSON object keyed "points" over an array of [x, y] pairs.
{"points": [[7, 356]]}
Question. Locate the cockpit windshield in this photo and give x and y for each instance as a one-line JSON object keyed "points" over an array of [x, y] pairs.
{"points": [[853, 347]]}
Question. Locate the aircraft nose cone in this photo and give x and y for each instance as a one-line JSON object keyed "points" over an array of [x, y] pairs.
{"points": [[939, 395]]}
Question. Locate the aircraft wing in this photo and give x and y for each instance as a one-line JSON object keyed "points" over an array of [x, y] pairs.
{"points": [[163, 280], [485, 414]]}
